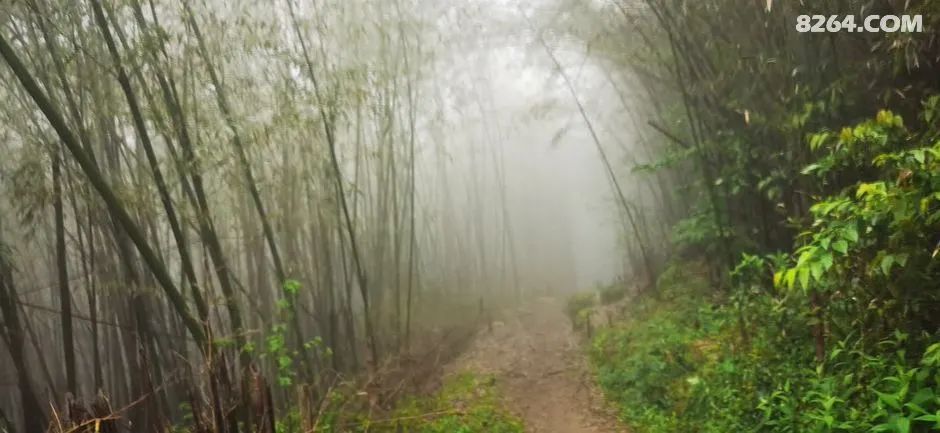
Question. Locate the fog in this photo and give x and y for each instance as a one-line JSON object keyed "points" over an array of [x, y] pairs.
{"points": [[295, 185], [243, 216], [510, 107]]}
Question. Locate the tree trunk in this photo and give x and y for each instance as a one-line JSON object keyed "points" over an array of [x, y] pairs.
{"points": [[33, 416], [111, 200], [65, 293]]}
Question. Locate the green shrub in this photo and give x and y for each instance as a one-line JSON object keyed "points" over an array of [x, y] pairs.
{"points": [[679, 365], [612, 293], [577, 305], [838, 336]]}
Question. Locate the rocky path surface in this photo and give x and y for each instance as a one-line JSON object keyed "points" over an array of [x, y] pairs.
{"points": [[542, 371]]}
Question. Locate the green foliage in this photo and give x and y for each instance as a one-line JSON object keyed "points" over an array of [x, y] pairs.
{"points": [[467, 404], [839, 332], [653, 364], [858, 390], [698, 233], [291, 287], [283, 357], [871, 246], [672, 159], [290, 423], [611, 293], [742, 115], [223, 343], [578, 305], [680, 365], [863, 274]]}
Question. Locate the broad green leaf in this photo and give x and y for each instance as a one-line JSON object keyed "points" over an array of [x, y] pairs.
{"points": [[805, 256], [886, 263], [825, 259], [901, 259], [790, 277], [922, 396], [851, 233], [816, 269], [889, 399], [903, 425], [804, 277], [840, 246]]}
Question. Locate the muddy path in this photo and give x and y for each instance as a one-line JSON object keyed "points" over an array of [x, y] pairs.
{"points": [[542, 371]]}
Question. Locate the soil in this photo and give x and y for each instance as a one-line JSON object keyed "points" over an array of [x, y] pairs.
{"points": [[541, 369]]}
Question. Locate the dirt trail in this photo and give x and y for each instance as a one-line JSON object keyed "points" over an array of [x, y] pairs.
{"points": [[542, 371]]}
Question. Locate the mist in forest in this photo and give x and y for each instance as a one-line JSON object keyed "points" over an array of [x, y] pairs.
{"points": [[509, 99], [299, 216], [559, 201], [193, 191]]}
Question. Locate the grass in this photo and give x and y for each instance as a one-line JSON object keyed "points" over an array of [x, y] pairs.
{"points": [[468, 403], [681, 364], [650, 364]]}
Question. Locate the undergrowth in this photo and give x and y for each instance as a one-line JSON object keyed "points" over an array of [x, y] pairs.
{"points": [[467, 403], [680, 365], [611, 293], [578, 308], [839, 335]]}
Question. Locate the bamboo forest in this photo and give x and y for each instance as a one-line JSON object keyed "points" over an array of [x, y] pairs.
{"points": [[469, 216]]}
